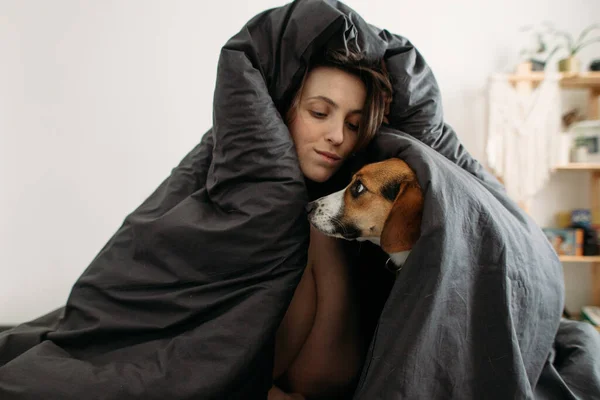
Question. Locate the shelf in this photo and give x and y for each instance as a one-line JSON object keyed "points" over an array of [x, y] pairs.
{"points": [[525, 81], [584, 80], [579, 258], [578, 167]]}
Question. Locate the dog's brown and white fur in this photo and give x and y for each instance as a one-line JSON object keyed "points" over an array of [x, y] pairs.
{"points": [[382, 204], [317, 343]]}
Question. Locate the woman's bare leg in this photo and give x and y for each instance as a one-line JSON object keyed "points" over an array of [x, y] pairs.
{"points": [[331, 356], [296, 324]]}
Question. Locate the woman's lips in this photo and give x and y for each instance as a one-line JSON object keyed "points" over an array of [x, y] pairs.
{"points": [[329, 157]]}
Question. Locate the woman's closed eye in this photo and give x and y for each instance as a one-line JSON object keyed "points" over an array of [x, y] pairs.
{"points": [[318, 114], [352, 127], [324, 114]]}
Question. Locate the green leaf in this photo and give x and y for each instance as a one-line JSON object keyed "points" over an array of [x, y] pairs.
{"points": [[586, 43], [586, 31]]}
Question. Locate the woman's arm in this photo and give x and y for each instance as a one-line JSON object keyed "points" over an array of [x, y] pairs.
{"points": [[332, 354]]}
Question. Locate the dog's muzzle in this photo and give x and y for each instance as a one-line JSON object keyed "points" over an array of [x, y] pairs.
{"points": [[324, 214]]}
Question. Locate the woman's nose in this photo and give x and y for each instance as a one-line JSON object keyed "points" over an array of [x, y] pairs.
{"points": [[335, 135]]}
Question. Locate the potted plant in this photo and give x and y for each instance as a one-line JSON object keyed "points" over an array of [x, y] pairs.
{"points": [[535, 47], [570, 63]]}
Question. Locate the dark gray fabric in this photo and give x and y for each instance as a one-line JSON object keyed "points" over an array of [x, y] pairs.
{"points": [[184, 300], [572, 370], [474, 312]]}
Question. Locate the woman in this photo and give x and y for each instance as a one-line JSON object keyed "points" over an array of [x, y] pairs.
{"points": [[336, 111]]}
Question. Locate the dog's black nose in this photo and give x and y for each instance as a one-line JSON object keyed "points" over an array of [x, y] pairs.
{"points": [[310, 207]]}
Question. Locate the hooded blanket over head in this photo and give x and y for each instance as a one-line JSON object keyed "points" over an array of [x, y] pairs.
{"points": [[183, 302]]}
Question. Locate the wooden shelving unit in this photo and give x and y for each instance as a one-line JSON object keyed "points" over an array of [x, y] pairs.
{"points": [[594, 171], [587, 80], [580, 259], [525, 81], [578, 167]]}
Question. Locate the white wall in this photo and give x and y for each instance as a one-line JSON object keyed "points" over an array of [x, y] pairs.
{"points": [[100, 99]]}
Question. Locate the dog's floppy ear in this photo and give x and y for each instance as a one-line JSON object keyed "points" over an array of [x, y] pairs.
{"points": [[403, 224]]}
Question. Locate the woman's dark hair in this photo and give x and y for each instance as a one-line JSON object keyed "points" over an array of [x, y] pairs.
{"points": [[377, 82]]}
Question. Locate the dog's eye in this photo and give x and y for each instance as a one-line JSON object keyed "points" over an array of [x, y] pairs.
{"points": [[357, 189]]}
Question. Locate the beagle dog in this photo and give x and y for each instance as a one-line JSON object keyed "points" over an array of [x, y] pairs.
{"points": [[383, 204]]}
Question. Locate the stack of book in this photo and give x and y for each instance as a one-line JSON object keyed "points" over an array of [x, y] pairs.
{"points": [[577, 233]]}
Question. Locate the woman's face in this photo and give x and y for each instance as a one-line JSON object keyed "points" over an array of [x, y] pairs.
{"points": [[325, 126]]}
